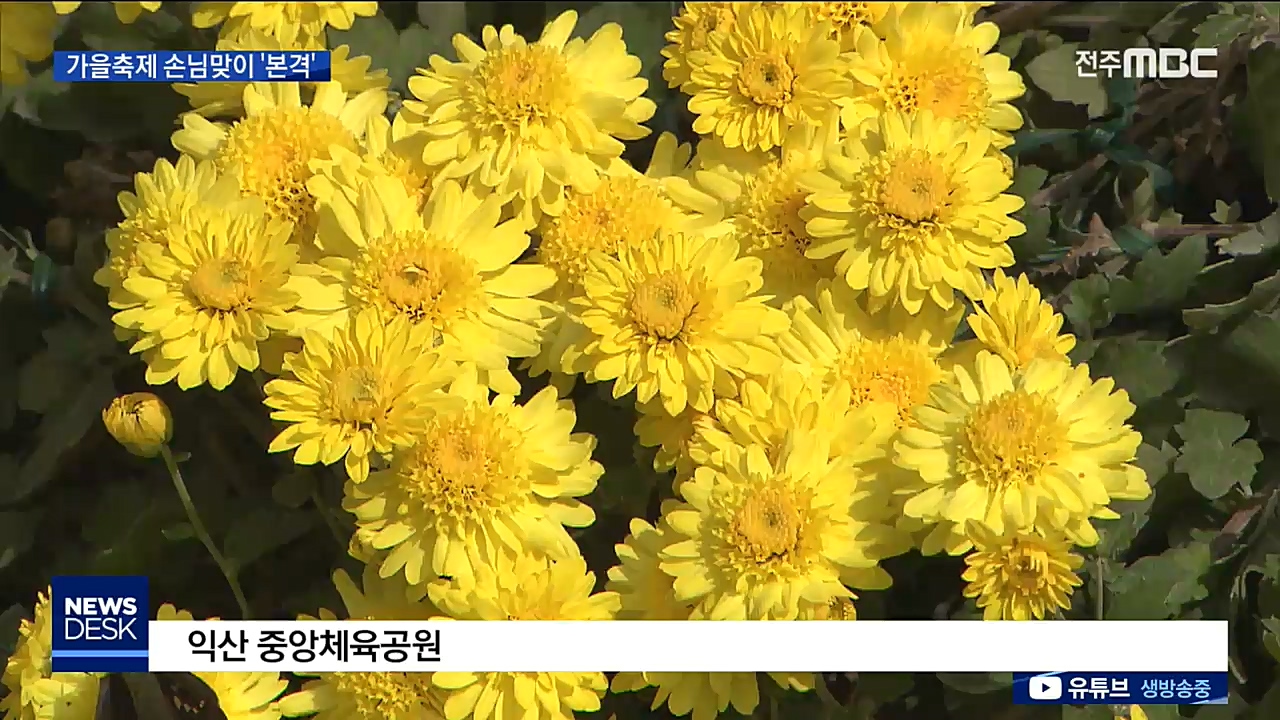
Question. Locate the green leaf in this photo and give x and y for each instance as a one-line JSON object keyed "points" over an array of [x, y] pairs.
{"points": [[400, 53], [1054, 71], [1221, 29], [60, 430], [1259, 111], [1088, 306], [1027, 181], [125, 543], [1213, 455], [1138, 366], [1271, 637], [1157, 587], [1224, 213], [1035, 242], [294, 488], [1256, 342], [1263, 236], [261, 530], [1160, 281], [1261, 296]]}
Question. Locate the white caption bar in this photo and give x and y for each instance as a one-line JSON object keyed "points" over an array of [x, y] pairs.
{"points": [[660, 646]]}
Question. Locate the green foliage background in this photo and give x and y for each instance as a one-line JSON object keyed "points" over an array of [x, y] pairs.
{"points": [[1151, 226]]}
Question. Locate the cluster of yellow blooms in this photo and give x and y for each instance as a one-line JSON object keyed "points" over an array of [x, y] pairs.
{"points": [[783, 301]]}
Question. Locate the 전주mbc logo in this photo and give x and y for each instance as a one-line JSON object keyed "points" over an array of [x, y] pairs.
{"points": [[1146, 63], [100, 623]]}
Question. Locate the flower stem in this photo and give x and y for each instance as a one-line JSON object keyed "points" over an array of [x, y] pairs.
{"points": [[201, 532]]}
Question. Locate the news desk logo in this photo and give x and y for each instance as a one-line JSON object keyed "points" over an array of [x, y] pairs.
{"points": [[1146, 63], [100, 623]]}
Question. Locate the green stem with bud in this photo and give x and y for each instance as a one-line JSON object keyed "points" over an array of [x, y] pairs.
{"points": [[201, 532]]}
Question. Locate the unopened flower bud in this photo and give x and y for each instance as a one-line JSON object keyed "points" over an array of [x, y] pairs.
{"points": [[140, 422]]}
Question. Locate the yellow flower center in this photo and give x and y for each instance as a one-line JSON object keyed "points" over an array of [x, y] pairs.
{"points": [[464, 464], [379, 695], [662, 304], [945, 80], [620, 212], [917, 188], [1028, 570], [770, 214], [221, 285], [845, 16], [522, 87], [1011, 439], [766, 78], [768, 526], [896, 371], [273, 151], [420, 277], [356, 396]]}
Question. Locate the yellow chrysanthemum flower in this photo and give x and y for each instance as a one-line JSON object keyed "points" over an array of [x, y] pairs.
{"points": [[449, 268], [241, 695], [647, 593], [918, 212], [35, 692], [1011, 320], [644, 590], [625, 210], [126, 12], [1044, 449], [694, 25], [270, 150], [677, 437], [677, 320], [160, 205], [205, 297], [530, 120], [757, 199], [762, 539], [486, 476], [888, 356], [140, 422], [370, 695], [220, 99], [848, 20], [772, 70], [524, 588], [288, 21], [364, 388], [1019, 576], [768, 412], [26, 35], [933, 60], [389, 149]]}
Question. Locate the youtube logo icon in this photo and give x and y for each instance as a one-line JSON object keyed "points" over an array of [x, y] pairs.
{"points": [[1045, 687]]}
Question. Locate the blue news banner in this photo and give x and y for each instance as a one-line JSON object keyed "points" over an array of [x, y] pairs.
{"points": [[196, 66], [1120, 688], [100, 623]]}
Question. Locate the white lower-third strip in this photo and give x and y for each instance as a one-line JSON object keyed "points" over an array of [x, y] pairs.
{"points": [[660, 646]]}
